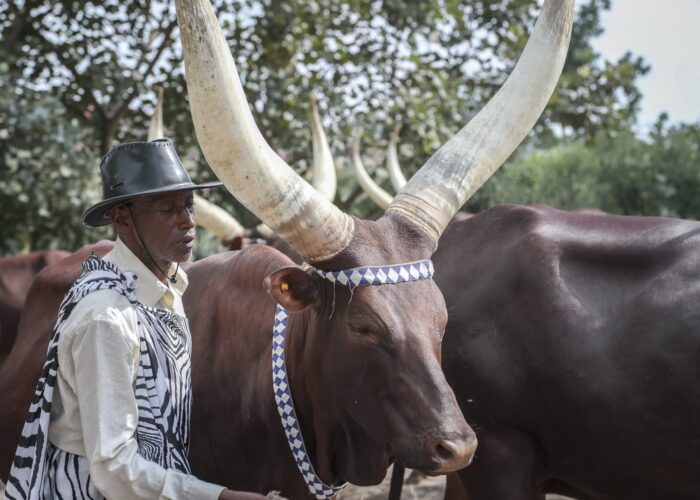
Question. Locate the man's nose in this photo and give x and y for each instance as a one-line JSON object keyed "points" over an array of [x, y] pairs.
{"points": [[186, 216]]}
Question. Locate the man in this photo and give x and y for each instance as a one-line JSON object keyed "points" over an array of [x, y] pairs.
{"points": [[110, 416]]}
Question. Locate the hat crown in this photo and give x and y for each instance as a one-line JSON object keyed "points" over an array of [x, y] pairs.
{"points": [[140, 167]]}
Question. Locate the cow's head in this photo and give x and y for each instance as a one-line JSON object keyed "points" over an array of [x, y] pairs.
{"points": [[380, 393]]}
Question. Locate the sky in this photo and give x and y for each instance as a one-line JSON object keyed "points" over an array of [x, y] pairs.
{"points": [[666, 33]]}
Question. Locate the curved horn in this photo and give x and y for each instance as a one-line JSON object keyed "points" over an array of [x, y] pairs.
{"points": [[324, 180], [373, 190], [155, 128], [465, 162], [216, 219], [237, 151], [398, 181]]}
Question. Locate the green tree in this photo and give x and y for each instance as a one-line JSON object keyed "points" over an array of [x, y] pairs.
{"points": [[618, 173], [46, 177], [430, 64]]}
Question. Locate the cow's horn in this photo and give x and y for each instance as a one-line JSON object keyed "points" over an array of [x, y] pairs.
{"points": [[371, 188], [465, 162], [155, 128], [398, 181], [236, 150], [216, 219], [324, 180]]}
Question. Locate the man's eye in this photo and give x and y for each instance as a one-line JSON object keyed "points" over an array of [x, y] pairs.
{"points": [[167, 209]]}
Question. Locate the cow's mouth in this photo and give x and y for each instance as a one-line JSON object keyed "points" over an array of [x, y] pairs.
{"points": [[360, 464]]}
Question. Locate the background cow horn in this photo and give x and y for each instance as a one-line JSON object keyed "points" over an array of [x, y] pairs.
{"points": [[236, 150], [216, 219], [324, 180], [398, 181], [155, 128], [371, 188], [438, 190]]}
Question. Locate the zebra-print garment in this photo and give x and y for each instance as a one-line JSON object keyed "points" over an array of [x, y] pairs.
{"points": [[162, 389]]}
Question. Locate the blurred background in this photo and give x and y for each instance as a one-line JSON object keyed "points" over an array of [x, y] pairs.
{"points": [[621, 134]]}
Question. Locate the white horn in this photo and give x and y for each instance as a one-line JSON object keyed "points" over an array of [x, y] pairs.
{"points": [[216, 219], [155, 128], [438, 190], [371, 188], [324, 180], [236, 150], [398, 181]]}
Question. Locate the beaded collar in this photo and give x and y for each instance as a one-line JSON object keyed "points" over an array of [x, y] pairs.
{"points": [[358, 276]]}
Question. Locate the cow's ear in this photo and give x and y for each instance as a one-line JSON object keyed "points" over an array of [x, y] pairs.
{"points": [[292, 288]]}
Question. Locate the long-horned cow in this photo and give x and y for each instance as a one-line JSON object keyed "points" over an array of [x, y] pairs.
{"points": [[362, 363]]}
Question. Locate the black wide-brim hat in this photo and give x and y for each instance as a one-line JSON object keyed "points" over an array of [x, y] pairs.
{"points": [[138, 169]]}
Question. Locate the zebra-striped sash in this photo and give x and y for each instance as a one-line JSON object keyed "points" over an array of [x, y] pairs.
{"points": [[162, 390]]}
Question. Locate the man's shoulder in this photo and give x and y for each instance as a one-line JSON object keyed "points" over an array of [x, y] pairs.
{"points": [[106, 305]]}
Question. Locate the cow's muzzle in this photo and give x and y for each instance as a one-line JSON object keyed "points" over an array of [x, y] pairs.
{"points": [[442, 455]]}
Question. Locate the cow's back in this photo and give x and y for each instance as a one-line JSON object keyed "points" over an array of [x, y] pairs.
{"points": [[16, 275], [575, 337]]}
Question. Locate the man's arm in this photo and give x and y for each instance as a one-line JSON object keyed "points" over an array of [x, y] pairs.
{"points": [[104, 356]]}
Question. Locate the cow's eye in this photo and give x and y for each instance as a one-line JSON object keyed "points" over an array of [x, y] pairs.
{"points": [[360, 330]]}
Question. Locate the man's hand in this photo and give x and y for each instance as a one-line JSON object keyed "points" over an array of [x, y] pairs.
{"points": [[240, 495]]}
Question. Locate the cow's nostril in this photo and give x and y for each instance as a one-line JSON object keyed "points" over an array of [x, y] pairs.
{"points": [[454, 454], [443, 452]]}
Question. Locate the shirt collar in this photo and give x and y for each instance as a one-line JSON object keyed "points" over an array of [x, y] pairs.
{"points": [[149, 289]]}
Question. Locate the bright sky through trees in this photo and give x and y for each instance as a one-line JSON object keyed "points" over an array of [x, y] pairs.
{"points": [[667, 34]]}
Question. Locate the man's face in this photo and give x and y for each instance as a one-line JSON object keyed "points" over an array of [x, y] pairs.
{"points": [[167, 225]]}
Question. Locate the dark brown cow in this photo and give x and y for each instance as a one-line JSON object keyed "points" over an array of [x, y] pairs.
{"points": [[16, 275], [576, 356]]}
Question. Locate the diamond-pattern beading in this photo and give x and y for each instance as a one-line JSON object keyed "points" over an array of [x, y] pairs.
{"points": [[381, 275]]}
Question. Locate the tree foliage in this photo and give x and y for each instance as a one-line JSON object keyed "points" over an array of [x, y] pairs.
{"points": [[620, 174], [46, 177], [430, 64]]}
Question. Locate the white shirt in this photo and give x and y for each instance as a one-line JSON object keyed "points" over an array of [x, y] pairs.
{"points": [[94, 412]]}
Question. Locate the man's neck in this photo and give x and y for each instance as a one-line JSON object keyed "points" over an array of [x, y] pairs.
{"points": [[157, 267]]}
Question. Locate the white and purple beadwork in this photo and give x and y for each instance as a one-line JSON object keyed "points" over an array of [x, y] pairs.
{"points": [[381, 275], [359, 276]]}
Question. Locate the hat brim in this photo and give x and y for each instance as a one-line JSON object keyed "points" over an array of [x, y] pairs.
{"points": [[98, 214]]}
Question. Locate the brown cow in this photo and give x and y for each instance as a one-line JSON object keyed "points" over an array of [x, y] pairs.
{"points": [[16, 275]]}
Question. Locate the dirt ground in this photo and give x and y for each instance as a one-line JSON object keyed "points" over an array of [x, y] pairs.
{"points": [[429, 488]]}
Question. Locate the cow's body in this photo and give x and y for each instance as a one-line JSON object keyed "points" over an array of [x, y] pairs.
{"points": [[573, 347], [16, 275]]}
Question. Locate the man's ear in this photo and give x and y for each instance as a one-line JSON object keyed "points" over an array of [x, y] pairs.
{"points": [[293, 289], [120, 217]]}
